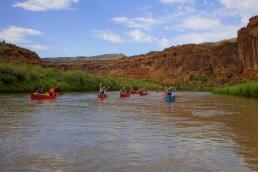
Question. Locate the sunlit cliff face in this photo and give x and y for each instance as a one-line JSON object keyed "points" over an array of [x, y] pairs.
{"points": [[248, 45]]}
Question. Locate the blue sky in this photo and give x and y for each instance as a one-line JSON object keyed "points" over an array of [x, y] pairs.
{"points": [[92, 27]]}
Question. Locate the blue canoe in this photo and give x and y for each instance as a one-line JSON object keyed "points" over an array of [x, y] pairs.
{"points": [[170, 98]]}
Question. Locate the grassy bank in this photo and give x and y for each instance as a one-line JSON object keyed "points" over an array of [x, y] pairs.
{"points": [[189, 87], [21, 78], [247, 89]]}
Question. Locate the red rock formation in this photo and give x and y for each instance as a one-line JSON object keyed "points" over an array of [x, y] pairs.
{"points": [[248, 45]]}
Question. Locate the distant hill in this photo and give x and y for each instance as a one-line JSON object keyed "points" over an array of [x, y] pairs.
{"points": [[83, 58], [10, 53], [232, 40]]}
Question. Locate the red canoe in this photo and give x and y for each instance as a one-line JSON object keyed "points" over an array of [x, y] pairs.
{"points": [[123, 94], [102, 96], [143, 94], [37, 96]]}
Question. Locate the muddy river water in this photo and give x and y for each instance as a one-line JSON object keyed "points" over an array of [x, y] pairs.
{"points": [[77, 132]]}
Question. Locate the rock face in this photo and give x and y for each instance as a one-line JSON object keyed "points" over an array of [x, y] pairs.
{"points": [[209, 64], [206, 64], [13, 54], [248, 45]]}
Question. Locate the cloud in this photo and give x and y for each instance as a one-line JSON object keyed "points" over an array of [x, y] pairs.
{"points": [[219, 21], [15, 34], [140, 37], [197, 22], [43, 5], [212, 35], [189, 21], [241, 8], [18, 35], [164, 43], [108, 36], [138, 22], [134, 36]]}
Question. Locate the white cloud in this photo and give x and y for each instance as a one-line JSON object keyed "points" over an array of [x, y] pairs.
{"points": [[164, 43], [213, 24], [197, 22], [15, 34], [190, 22], [138, 22], [241, 8], [212, 35], [18, 35], [43, 5], [108, 36], [140, 37]]}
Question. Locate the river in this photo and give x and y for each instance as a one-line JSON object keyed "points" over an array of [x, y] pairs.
{"points": [[77, 132]]}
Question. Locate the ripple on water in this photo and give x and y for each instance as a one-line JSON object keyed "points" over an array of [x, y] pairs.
{"points": [[78, 132]]}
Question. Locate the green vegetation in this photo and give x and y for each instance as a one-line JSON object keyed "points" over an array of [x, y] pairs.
{"points": [[247, 89], [20, 78], [191, 87]]}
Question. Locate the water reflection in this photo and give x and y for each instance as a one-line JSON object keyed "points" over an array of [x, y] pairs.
{"points": [[78, 132]]}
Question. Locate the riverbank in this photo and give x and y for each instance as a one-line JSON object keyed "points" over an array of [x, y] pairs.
{"points": [[247, 89], [27, 78]]}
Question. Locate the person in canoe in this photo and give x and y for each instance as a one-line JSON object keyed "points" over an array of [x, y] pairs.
{"points": [[103, 90], [123, 90], [143, 92], [52, 91], [40, 89], [132, 90], [170, 91]]}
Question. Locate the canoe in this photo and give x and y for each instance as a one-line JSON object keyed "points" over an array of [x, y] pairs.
{"points": [[133, 91], [37, 96], [123, 94], [170, 98], [102, 96], [143, 94]]}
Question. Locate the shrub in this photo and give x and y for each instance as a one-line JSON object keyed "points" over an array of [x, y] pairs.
{"points": [[27, 78], [247, 89]]}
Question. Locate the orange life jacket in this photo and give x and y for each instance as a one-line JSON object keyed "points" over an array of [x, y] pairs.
{"points": [[51, 90]]}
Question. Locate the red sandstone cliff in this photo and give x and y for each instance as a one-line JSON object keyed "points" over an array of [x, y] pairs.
{"points": [[248, 45], [203, 64], [192, 64], [208, 64]]}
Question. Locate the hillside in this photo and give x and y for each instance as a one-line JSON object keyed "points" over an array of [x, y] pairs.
{"points": [[10, 53], [83, 58]]}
